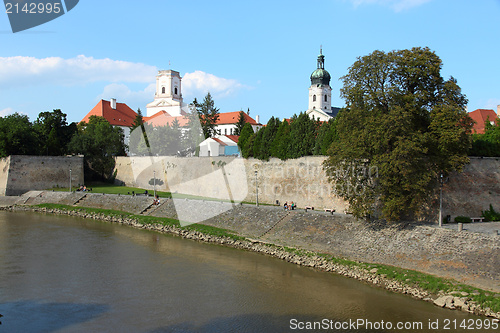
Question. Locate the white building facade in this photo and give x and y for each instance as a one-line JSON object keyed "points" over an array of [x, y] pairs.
{"points": [[168, 96], [320, 93]]}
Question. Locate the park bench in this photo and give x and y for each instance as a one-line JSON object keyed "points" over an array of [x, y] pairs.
{"points": [[329, 210], [309, 207], [477, 219]]}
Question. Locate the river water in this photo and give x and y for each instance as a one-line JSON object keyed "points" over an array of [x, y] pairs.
{"points": [[68, 274]]}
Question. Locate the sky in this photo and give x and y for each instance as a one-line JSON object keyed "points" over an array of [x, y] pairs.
{"points": [[255, 55]]}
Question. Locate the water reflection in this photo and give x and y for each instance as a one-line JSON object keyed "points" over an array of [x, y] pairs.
{"points": [[35, 316]]}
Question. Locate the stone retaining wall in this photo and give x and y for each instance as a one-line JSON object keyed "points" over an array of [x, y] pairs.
{"points": [[301, 180], [20, 174]]}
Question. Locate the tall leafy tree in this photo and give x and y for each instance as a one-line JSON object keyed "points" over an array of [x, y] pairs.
{"points": [[53, 132], [17, 136], [99, 142], [403, 126], [208, 115]]}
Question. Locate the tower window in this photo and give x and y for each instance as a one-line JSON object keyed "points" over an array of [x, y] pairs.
{"points": [[326, 98], [162, 90], [314, 98], [175, 91]]}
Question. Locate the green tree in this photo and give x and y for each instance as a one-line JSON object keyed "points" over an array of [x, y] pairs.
{"points": [[268, 135], [403, 126], [53, 132], [192, 138], [302, 136], [17, 136], [487, 144], [241, 122], [281, 142], [327, 135], [208, 115], [99, 142], [138, 120], [246, 133]]}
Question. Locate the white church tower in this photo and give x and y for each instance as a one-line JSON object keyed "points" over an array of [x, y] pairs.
{"points": [[168, 96], [320, 92]]}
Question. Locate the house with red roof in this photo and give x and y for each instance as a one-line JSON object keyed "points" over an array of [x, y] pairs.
{"points": [[226, 124], [117, 114], [481, 116], [221, 145]]}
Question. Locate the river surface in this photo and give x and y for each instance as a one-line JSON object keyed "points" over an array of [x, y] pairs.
{"points": [[68, 274]]}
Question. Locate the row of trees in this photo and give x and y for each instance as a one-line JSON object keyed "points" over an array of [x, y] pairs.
{"points": [[299, 136], [50, 134]]}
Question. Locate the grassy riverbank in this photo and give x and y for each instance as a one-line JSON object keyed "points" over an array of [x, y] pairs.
{"points": [[414, 279]]}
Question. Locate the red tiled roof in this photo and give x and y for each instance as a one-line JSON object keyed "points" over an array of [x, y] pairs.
{"points": [[121, 116], [219, 141], [234, 138], [232, 118], [162, 118], [480, 116]]}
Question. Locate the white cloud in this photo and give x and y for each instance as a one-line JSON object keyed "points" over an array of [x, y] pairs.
{"points": [[20, 70], [199, 83], [6, 112], [122, 92], [195, 84], [396, 5]]}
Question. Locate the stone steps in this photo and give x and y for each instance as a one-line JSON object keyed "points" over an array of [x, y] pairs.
{"points": [[284, 220]]}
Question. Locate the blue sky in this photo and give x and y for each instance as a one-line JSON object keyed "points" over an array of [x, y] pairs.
{"points": [[248, 54]]}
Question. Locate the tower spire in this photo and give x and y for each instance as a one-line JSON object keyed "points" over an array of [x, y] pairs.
{"points": [[321, 58]]}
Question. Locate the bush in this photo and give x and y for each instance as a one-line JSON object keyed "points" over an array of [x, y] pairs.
{"points": [[463, 219], [491, 215]]}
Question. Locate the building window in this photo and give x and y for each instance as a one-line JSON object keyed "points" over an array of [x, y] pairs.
{"points": [[314, 98], [162, 90], [225, 131], [175, 91], [326, 98]]}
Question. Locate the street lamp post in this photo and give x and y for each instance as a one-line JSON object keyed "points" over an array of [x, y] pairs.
{"points": [[256, 190], [70, 180], [154, 183], [441, 200]]}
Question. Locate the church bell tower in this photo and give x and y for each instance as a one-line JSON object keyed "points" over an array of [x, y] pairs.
{"points": [[320, 92]]}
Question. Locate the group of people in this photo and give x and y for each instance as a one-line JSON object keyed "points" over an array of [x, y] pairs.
{"points": [[157, 200], [289, 206], [82, 188]]}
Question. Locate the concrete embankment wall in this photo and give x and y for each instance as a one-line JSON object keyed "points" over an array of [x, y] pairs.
{"points": [[301, 180], [472, 258], [20, 174]]}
